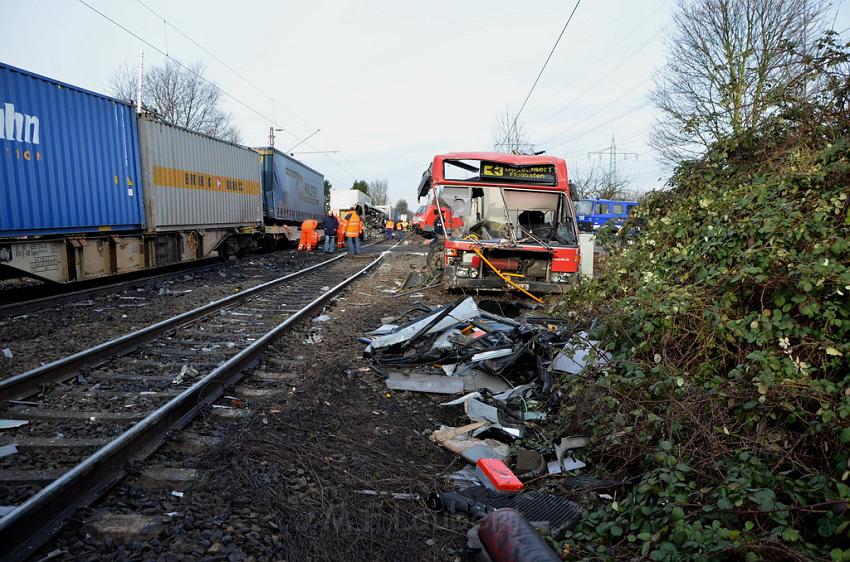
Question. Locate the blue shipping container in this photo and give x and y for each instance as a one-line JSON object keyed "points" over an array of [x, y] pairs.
{"points": [[70, 159], [292, 192]]}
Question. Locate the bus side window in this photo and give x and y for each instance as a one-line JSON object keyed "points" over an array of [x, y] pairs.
{"points": [[603, 209], [618, 209]]}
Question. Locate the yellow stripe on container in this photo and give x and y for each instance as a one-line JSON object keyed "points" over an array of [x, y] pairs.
{"points": [[189, 179]]}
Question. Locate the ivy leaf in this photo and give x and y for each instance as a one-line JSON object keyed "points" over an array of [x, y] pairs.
{"points": [[677, 514], [765, 499], [790, 535]]}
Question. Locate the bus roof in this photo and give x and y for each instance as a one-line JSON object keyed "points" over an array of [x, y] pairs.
{"points": [[465, 160]]}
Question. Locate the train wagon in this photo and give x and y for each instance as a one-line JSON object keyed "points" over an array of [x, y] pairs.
{"points": [[70, 189], [292, 193], [202, 195]]}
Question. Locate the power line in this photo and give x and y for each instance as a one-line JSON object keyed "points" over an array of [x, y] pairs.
{"points": [[625, 60], [628, 91], [253, 85], [201, 77], [220, 61], [539, 74], [611, 50], [183, 66], [595, 127]]}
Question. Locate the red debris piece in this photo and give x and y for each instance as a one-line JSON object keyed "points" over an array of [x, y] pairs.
{"points": [[500, 475]]}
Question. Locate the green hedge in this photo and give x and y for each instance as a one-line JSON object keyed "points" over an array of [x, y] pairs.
{"points": [[727, 404]]}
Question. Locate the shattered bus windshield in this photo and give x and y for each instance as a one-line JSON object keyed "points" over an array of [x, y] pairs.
{"points": [[525, 216]]}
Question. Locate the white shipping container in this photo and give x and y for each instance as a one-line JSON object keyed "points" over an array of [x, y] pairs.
{"points": [[193, 181]]}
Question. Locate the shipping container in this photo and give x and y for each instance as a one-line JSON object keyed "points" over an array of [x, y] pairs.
{"points": [[292, 191], [70, 159], [196, 182]]}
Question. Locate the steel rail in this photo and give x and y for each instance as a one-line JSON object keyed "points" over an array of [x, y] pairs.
{"points": [[29, 382], [34, 522]]}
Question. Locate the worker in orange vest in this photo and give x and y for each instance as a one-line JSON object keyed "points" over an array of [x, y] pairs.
{"points": [[340, 230], [390, 229], [353, 228]]}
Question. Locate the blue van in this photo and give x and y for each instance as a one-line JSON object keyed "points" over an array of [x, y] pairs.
{"points": [[591, 214]]}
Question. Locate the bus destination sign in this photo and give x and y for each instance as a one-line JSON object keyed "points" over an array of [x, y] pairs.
{"points": [[542, 173]]}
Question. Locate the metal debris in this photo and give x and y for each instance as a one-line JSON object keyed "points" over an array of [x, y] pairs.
{"points": [[8, 450], [11, 424], [186, 373]]}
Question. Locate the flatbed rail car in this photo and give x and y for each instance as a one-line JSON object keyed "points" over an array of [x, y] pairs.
{"points": [[518, 218]]}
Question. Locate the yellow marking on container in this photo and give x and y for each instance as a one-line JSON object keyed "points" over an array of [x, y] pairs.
{"points": [[104, 228], [190, 179]]}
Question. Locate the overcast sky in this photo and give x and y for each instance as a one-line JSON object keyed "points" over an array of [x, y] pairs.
{"points": [[389, 82]]}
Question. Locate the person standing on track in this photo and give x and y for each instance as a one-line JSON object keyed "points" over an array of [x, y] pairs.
{"points": [[353, 229], [390, 226], [330, 225]]}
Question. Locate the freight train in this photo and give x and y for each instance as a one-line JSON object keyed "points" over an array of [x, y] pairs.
{"points": [[89, 188]]}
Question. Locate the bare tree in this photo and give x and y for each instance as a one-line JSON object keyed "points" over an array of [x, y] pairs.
{"points": [[179, 96], [508, 136], [401, 206], [378, 192], [729, 63], [598, 181]]}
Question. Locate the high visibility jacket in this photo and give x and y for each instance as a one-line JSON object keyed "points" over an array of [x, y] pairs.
{"points": [[353, 226], [390, 225]]}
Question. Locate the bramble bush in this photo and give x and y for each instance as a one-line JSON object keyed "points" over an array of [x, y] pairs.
{"points": [[727, 405]]}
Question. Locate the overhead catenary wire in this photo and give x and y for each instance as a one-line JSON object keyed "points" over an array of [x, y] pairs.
{"points": [[220, 61], [539, 74], [253, 85], [183, 66], [627, 58], [213, 84], [628, 91]]}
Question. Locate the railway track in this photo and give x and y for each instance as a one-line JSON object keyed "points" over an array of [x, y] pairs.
{"points": [[88, 415], [18, 301]]}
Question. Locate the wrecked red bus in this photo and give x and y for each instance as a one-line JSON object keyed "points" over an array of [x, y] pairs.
{"points": [[519, 227]]}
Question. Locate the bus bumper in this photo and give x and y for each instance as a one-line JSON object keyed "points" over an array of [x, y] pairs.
{"points": [[451, 280]]}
